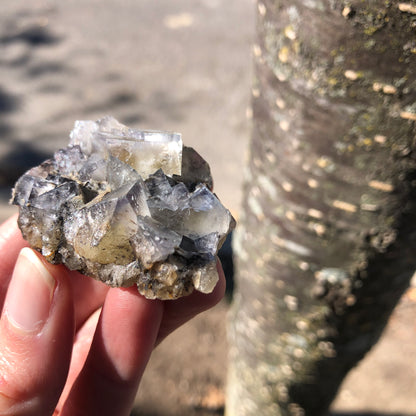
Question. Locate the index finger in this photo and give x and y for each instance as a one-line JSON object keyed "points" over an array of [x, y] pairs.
{"points": [[11, 242]]}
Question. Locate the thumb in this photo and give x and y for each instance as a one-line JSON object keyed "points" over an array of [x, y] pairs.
{"points": [[36, 334]]}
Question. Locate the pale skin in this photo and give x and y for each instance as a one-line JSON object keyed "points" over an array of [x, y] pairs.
{"points": [[70, 345]]}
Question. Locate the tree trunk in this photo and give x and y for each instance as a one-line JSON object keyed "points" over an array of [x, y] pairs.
{"points": [[327, 242]]}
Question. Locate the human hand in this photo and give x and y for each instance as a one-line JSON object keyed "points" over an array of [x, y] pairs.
{"points": [[70, 345]]}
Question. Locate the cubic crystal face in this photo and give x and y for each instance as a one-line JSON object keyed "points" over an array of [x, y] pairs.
{"points": [[126, 207]]}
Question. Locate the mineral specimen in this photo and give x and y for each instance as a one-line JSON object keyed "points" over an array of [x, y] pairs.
{"points": [[126, 207]]}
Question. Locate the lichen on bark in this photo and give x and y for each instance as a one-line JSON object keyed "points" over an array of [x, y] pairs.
{"points": [[325, 245]]}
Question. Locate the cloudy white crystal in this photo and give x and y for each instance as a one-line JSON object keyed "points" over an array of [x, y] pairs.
{"points": [[146, 151]]}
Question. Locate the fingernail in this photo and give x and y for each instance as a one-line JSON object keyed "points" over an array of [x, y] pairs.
{"points": [[30, 293]]}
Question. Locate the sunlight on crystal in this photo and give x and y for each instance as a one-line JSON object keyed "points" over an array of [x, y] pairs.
{"points": [[126, 206]]}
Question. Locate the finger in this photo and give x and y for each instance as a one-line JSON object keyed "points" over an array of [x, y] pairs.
{"points": [[89, 295], [11, 242], [177, 312], [120, 350], [80, 350], [36, 335]]}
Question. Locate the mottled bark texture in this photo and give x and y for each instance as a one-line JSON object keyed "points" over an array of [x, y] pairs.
{"points": [[327, 242]]}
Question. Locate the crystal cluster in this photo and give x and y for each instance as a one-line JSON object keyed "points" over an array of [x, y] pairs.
{"points": [[126, 207]]}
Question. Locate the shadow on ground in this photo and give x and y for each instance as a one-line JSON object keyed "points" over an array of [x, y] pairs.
{"points": [[8, 104], [17, 161], [33, 35]]}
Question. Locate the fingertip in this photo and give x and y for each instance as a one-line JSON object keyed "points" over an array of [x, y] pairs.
{"points": [[11, 242], [10, 236], [10, 222], [219, 290], [36, 333], [29, 296]]}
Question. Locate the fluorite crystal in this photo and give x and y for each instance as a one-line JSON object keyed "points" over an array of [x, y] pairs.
{"points": [[126, 207]]}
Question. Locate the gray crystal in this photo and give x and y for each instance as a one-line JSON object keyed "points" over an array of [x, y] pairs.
{"points": [[126, 207]]}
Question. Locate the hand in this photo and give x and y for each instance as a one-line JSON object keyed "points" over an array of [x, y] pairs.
{"points": [[70, 345]]}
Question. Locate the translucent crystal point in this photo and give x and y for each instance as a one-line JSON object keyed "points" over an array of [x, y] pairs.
{"points": [[146, 151]]}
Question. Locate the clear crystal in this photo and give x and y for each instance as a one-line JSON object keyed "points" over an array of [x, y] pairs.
{"points": [[146, 151], [126, 207]]}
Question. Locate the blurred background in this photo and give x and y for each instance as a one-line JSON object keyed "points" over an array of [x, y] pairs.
{"points": [[185, 66], [168, 65]]}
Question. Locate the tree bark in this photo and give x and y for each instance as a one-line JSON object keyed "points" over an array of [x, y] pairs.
{"points": [[327, 242]]}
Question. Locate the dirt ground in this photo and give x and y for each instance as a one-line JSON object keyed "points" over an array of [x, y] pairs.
{"points": [[187, 373], [179, 65]]}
